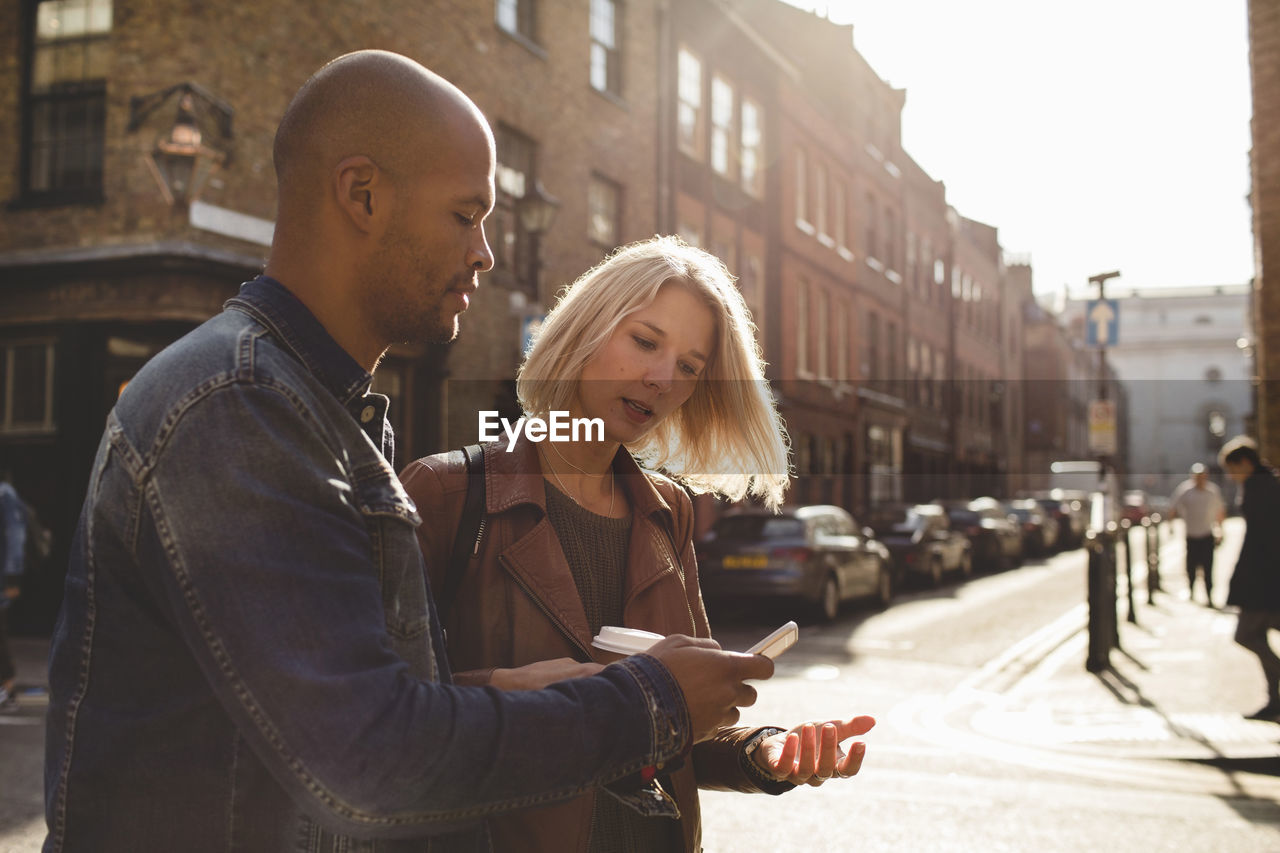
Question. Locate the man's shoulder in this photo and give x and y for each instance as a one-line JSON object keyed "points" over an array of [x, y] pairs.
{"points": [[230, 349]]}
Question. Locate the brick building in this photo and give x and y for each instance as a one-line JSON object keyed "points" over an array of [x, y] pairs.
{"points": [[99, 268], [1264, 65], [139, 191], [929, 439]]}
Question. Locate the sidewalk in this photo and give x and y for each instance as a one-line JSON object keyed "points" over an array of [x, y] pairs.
{"points": [[1179, 689], [22, 750]]}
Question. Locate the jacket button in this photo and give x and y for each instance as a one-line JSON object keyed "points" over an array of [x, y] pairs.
{"points": [[367, 414]]}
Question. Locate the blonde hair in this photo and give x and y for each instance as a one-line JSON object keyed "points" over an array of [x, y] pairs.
{"points": [[727, 438]]}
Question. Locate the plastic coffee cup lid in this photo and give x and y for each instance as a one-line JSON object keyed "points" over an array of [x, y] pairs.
{"points": [[625, 641]]}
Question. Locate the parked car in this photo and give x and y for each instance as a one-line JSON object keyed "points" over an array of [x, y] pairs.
{"points": [[923, 544], [1071, 510], [995, 540], [1039, 529], [1134, 506], [816, 555]]}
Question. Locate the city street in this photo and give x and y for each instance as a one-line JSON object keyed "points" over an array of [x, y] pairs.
{"points": [[991, 735]]}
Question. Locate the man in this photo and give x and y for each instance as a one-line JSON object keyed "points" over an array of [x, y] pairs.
{"points": [[13, 536], [248, 657], [1255, 584], [1198, 503]]}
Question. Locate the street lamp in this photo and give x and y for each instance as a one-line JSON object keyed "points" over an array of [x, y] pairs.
{"points": [[181, 161], [536, 210]]}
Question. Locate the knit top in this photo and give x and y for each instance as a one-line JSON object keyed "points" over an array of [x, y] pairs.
{"points": [[596, 548]]}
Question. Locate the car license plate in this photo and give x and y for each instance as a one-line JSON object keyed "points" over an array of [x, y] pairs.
{"points": [[746, 561]]}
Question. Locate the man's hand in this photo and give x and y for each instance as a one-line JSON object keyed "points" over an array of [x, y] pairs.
{"points": [[535, 676], [711, 679]]}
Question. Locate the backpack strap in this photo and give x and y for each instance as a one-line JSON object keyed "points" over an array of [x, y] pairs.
{"points": [[466, 542]]}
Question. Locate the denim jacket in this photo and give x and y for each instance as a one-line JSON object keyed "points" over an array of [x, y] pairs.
{"points": [[247, 657]]}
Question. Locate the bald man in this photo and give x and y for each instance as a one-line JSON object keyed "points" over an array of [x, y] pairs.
{"points": [[247, 657]]}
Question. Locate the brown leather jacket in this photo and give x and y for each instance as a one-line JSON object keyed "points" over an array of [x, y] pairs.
{"points": [[518, 604]]}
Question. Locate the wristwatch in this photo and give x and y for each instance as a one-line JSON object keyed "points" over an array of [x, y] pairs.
{"points": [[754, 772]]}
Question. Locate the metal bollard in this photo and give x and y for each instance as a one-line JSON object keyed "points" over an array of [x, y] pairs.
{"points": [[1152, 556], [1109, 590], [1152, 524], [1126, 527], [1101, 631]]}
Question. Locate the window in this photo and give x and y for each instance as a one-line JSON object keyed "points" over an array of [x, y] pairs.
{"points": [[514, 175], [66, 99], [749, 284], [603, 197], [890, 239], [872, 249], [724, 152], [752, 148], [802, 328], [873, 348], [824, 344], [842, 221], [26, 386], [892, 360], [802, 193], [820, 202], [912, 284], [516, 16], [606, 69], [690, 233], [689, 111], [842, 345]]}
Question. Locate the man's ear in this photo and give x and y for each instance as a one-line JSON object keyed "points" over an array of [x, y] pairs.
{"points": [[362, 191]]}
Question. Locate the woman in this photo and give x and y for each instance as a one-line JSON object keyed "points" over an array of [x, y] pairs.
{"points": [[657, 343]]}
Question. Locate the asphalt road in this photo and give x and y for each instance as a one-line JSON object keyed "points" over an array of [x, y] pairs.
{"points": [[933, 781]]}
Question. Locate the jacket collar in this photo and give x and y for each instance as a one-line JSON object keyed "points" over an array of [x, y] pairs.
{"points": [[522, 482], [271, 303]]}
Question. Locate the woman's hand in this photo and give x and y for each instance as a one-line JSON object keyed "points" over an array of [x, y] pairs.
{"points": [[535, 676], [810, 753]]}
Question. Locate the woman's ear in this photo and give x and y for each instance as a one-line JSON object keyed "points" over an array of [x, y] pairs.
{"points": [[361, 189]]}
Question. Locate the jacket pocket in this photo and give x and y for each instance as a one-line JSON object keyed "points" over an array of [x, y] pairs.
{"points": [[392, 522]]}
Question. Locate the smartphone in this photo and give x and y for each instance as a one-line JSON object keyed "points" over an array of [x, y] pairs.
{"points": [[777, 642]]}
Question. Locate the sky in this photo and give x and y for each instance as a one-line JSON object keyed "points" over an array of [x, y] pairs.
{"points": [[1096, 135]]}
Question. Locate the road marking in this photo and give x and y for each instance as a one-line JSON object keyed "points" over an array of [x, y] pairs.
{"points": [[1017, 660]]}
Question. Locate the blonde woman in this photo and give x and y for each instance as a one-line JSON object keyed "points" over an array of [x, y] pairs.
{"points": [[657, 343]]}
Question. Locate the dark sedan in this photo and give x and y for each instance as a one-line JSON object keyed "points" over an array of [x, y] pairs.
{"points": [[1071, 510], [996, 541], [1039, 529], [812, 554], [923, 544]]}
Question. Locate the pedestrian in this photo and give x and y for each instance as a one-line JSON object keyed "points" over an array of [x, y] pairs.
{"points": [[13, 550], [1255, 584], [656, 343], [247, 656], [1198, 502]]}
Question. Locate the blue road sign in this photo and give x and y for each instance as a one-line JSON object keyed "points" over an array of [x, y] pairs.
{"points": [[1102, 322]]}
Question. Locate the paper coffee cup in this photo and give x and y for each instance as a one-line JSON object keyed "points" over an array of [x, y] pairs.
{"points": [[625, 641]]}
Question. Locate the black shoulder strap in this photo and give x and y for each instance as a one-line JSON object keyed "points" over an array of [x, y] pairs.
{"points": [[466, 542]]}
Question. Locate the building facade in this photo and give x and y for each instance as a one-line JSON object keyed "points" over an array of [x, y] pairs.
{"points": [[1264, 198], [1186, 376]]}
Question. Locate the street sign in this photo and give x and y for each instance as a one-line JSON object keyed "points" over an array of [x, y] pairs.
{"points": [[1101, 322], [1102, 427]]}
